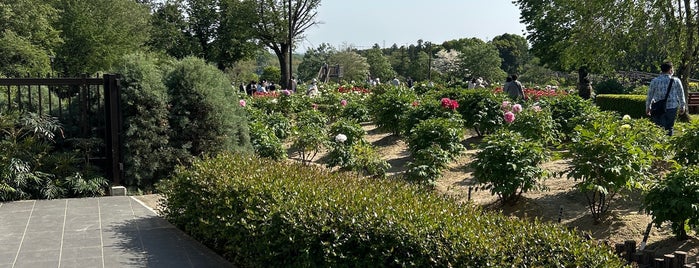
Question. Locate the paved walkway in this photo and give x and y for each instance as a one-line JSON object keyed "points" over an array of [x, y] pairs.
{"points": [[95, 232]]}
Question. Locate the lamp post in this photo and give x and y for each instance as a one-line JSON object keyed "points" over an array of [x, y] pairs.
{"points": [[291, 50]]}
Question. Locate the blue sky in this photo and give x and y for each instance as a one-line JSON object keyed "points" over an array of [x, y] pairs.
{"points": [[362, 23]]}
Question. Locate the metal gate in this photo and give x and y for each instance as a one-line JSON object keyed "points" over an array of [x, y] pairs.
{"points": [[88, 107]]}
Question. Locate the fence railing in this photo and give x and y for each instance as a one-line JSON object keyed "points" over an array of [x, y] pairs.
{"points": [[87, 107]]}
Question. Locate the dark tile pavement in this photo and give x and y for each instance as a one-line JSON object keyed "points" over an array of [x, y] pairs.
{"points": [[95, 232]]}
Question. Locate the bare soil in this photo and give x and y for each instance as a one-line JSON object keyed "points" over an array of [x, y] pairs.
{"points": [[560, 201]]}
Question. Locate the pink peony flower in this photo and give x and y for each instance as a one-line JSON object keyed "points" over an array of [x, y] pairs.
{"points": [[416, 103], [445, 102], [509, 117], [453, 104], [343, 103], [536, 108], [505, 105], [517, 108], [449, 103], [242, 103], [286, 92]]}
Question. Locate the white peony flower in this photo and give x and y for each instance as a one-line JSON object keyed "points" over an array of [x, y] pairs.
{"points": [[340, 138]]}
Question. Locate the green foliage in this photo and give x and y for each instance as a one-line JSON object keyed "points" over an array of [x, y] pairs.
{"points": [[609, 155], [379, 66], [536, 123], [349, 150], [675, 199], [481, 110], [570, 110], [445, 133], [272, 74], [356, 109], [388, 108], [508, 165], [482, 60], [354, 66], [88, 47], [262, 213], [265, 142], [309, 134], [633, 105], [427, 165], [426, 109], [205, 117], [609, 86], [148, 156], [686, 145], [513, 50], [31, 168]]}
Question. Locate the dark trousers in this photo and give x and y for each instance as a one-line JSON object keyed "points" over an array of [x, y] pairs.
{"points": [[666, 120]]}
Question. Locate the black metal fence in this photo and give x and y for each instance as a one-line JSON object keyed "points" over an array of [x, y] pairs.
{"points": [[87, 107]]}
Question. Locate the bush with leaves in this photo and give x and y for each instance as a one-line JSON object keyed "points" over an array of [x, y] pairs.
{"points": [[262, 213], [445, 133], [310, 134], [31, 168], [533, 123], [609, 155], [389, 108], [426, 109], [481, 110], [508, 165], [350, 152], [427, 165], [686, 145], [265, 142], [147, 153], [205, 116], [568, 111], [675, 199]]}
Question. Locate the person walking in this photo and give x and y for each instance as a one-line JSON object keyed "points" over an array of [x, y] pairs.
{"points": [[514, 88], [665, 89]]}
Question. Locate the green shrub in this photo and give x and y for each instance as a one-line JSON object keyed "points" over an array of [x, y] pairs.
{"points": [[609, 155], [310, 134], [147, 153], [205, 117], [633, 105], [508, 165], [261, 213], [427, 109], [390, 107], [440, 131], [609, 86], [535, 123], [568, 111], [675, 199], [32, 168], [265, 141], [481, 110], [686, 145], [427, 165]]}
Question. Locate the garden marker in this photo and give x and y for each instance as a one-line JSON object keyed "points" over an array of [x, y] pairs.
{"points": [[645, 237]]}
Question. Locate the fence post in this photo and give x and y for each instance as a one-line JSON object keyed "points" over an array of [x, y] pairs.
{"points": [[112, 93]]}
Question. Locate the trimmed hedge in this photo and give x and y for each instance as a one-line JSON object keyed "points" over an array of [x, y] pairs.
{"points": [[261, 213], [633, 105]]}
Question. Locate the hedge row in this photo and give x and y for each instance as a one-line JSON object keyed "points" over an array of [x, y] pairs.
{"points": [[262, 213], [633, 105]]}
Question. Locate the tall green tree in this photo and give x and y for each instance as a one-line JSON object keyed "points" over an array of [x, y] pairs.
{"points": [[27, 36], [480, 59], [98, 33], [513, 50], [282, 20], [604, 36], [313, 60], [354, 66], [379, 66]]}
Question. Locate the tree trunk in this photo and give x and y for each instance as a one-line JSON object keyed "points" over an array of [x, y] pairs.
{"points": [[283, 57]]}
